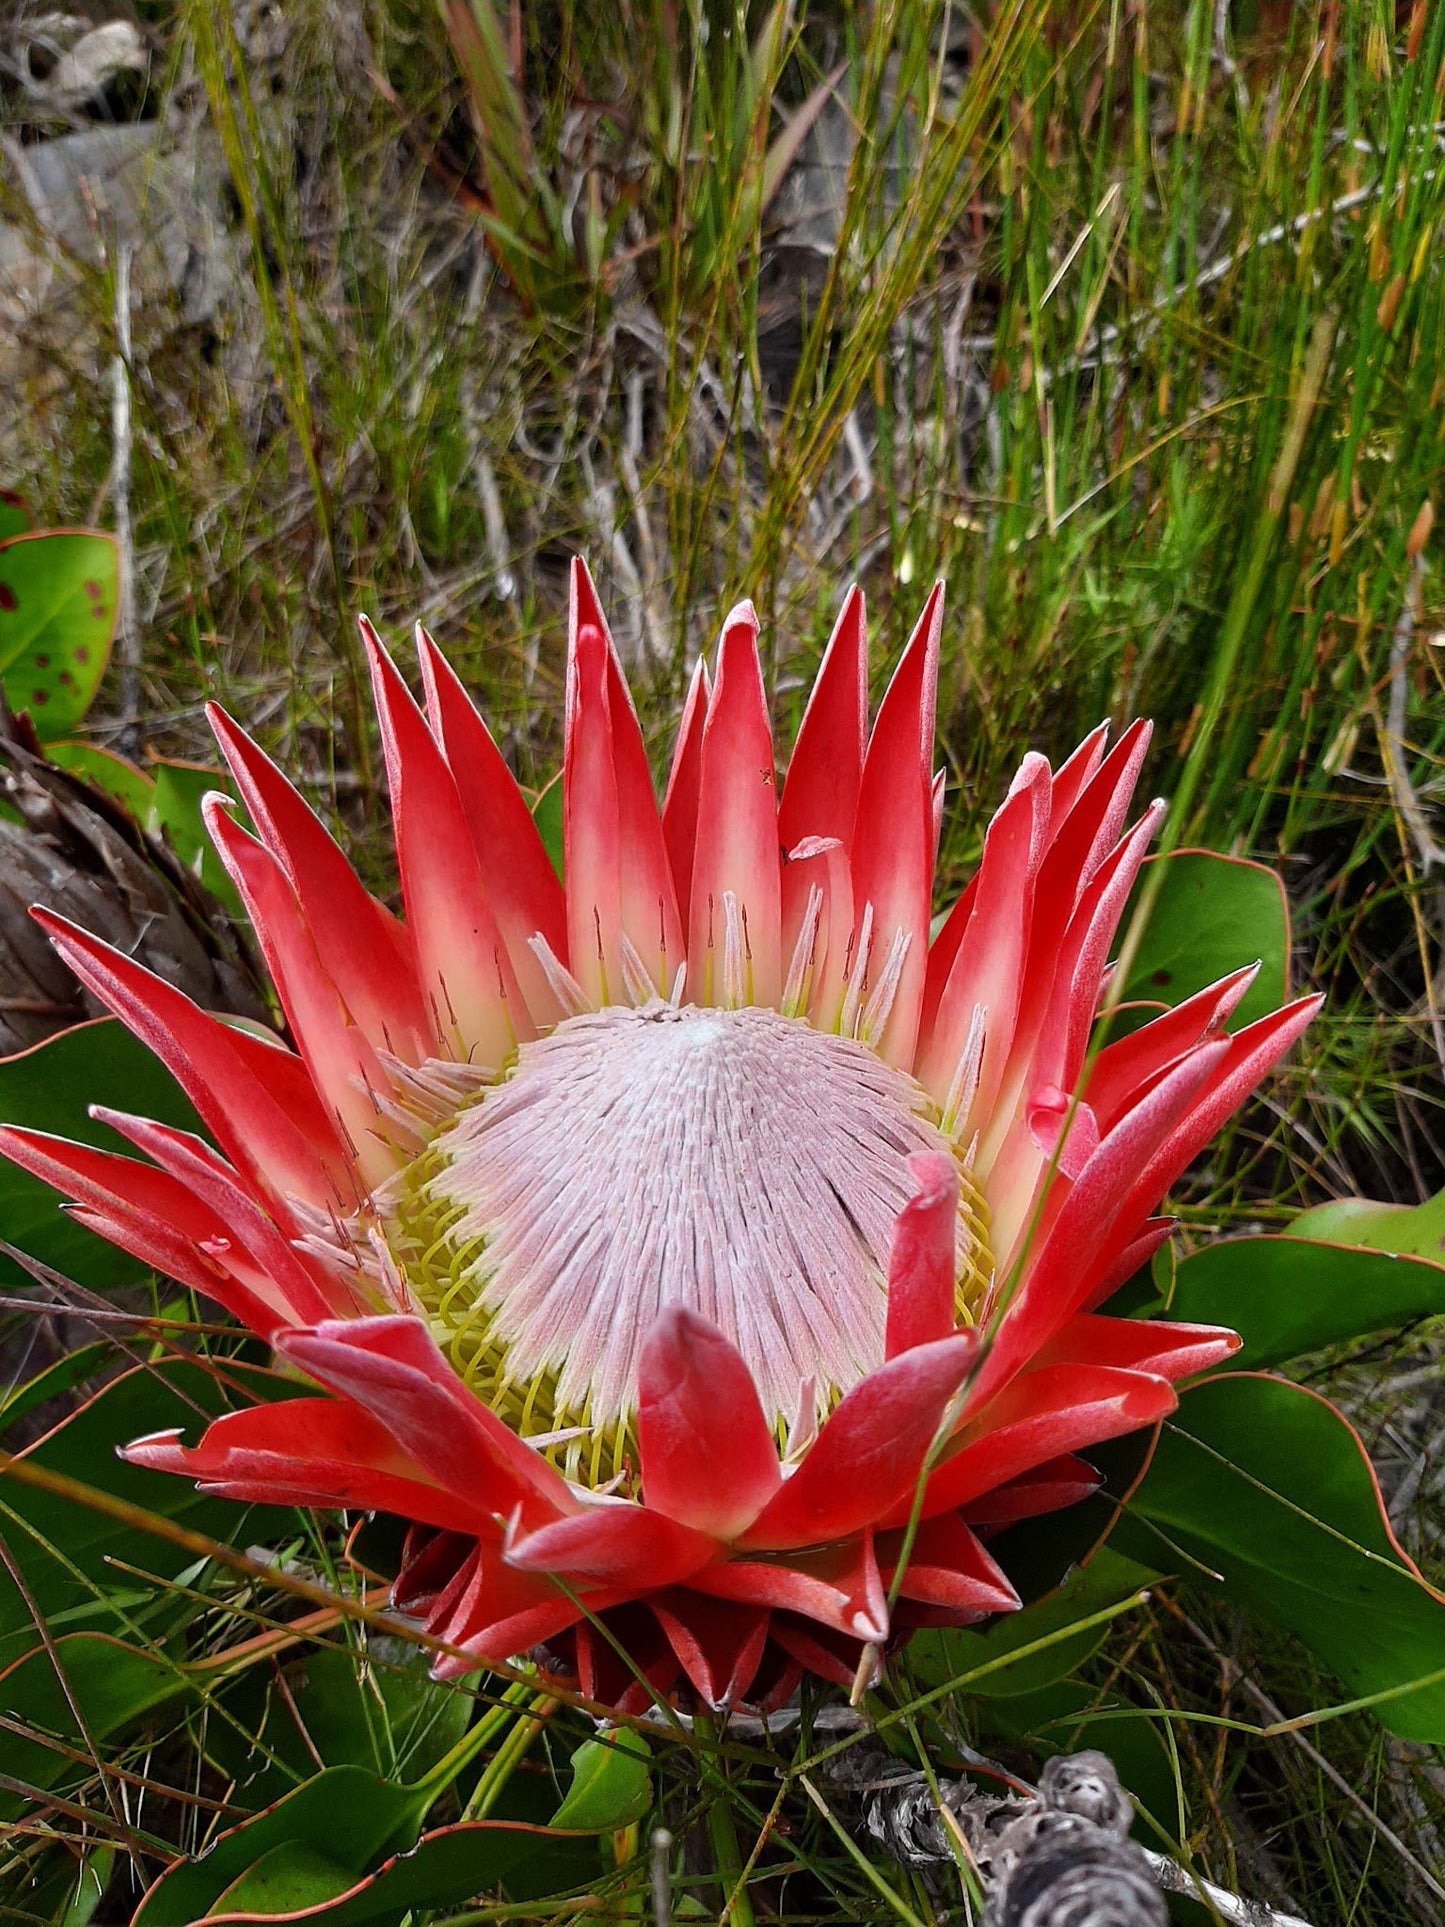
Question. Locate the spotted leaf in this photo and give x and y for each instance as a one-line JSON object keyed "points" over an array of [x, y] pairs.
{"points": [[14, 516], [59, 590]]}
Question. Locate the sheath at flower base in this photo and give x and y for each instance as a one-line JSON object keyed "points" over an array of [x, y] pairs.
{"points": [[661, 1246]]}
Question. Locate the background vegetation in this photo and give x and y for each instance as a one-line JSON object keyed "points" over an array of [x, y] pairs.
{"points": [[1126, 319]]}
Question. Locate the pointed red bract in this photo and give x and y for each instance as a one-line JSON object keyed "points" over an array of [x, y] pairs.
{"points": [[921, 1288], [467, 981], [988, 964], [524, 890], [306, 1451], [892, 853], [1054, 1410], [820, 792], [1140, 1345], [502, 1611], [369, 954], [344, 1068], [1043, 1488], [391, 1367], [253, 1097], [708, 1457], [735, 930], [619, 882], [628, 1543], [840, 1586], [869, 1451], [679, 805], [946, 1566], [158, 1220], [719, 1646]]}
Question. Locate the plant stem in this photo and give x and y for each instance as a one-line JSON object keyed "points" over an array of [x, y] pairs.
{"points": [[509, 1754], [723, 1832]]}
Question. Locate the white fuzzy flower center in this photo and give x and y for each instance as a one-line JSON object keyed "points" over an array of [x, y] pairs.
{"points": [[736, 1161]]}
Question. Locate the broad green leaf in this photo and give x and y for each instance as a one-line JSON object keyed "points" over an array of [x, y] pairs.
{"points": [[1213, 914], [289, 1877], [310, 1856], [547, 815], [376, 1709], [63, 1375], [50, 1087], [1287, 1296], [610, 1786], [88, 1887], [1057, 1624], [65, 1551], [345, 1818], [1264, 1484], [110, 1682], [179, 790], [108, 772], [15, 518], [445, 1869], [1414, 1230], [59, 591]]}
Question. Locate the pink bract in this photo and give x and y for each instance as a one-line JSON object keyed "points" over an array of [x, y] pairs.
{"points": [[665, 1246]]}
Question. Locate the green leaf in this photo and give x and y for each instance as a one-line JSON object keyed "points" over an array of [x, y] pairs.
{"points": [[59, 592], [334, 1828], [309, 1856], [290, 1877], [50, 1088], [65, 1551], [177, 792], [62, 1376], [88, 1887], [610, 1788], [1264, 1484], [15, 518], [1287, 1296], [112, 1684], [109, 772], [1213, 914], [1058, 1624], [1415, 1230], [547, 815], [375, 1709]]}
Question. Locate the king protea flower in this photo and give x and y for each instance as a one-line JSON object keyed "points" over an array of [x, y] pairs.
{"points": [[702, 1260]]}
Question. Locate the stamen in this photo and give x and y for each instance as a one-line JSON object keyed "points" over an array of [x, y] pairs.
{"points": [[635, 977], [857, 976], [963, 1087], [800, 970], [876, 1010], [803, 1425], [564, 986], [735, 970]]}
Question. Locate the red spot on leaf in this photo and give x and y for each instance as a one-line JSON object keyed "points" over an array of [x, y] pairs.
{"points": [[65, 679], [42, 662], [82, 654], [8, 597], [40, 697], [92, 589]]}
